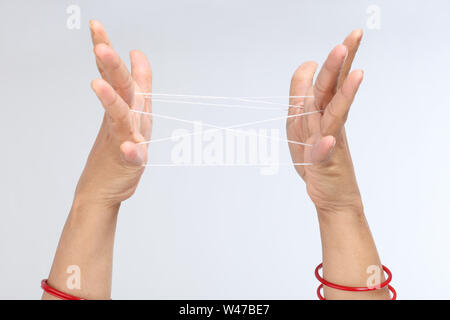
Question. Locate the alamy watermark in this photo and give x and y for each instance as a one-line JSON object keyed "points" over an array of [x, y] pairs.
{"points": [[212, 147], [73, 21], [374, 17], [74, 279], [374, 280]]}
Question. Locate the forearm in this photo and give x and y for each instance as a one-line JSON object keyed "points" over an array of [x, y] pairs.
{"points": [[348, 251], [111, 175], [87, 243]]}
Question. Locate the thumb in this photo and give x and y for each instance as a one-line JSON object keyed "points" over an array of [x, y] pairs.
{"points": [[133, 154], [322, 149]]}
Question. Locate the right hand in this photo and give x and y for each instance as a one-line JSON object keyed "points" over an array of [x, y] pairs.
{"points": [[330, 180]]}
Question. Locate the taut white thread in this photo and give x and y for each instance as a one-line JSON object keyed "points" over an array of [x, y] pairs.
{"points": [[223, 128], [221, 105], [277, 97], [227, 164], [231, 127], [243, 99]]}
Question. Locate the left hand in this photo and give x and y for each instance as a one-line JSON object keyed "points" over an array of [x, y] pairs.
{"points": [[116, 161]]}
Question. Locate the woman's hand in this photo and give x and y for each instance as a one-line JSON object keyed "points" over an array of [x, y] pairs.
{"points": [[330, 181], [116, 161]]}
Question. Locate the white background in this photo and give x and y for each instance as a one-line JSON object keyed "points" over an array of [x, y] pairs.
{"points": [[219, 233]]}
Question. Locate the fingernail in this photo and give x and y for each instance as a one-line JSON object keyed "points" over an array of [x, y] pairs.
{"points": [[362, 76], [346, 53], [359, 33]]}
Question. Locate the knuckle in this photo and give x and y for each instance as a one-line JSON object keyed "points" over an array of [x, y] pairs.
{"points": [[332, 111], [320, 87]]}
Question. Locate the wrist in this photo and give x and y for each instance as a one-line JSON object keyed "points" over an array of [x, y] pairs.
{"points": [[83, 202], [93, 216], [107, 184], [352, 207]]}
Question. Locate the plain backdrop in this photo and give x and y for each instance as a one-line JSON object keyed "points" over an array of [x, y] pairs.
{"points": [[222, 233]]}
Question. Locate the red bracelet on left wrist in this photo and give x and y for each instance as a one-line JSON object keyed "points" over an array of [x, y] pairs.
{"points": [[56, 293]]}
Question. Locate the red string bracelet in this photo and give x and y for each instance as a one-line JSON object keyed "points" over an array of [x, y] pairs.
{"points": [[358, 289], [56, 293]]}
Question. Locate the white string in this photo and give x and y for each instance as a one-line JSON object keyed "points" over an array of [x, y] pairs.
{"points": [[217, 97], [243, 99], [222, 105], [225, 128], [231, 127], [227, 164], [277, 97]]}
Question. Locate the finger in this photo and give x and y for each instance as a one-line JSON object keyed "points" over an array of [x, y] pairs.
{"points": [[336, 112], [133, 154], [141, 70], [98, 33], [300, 84], [326, 81], [322, 150], [114, 106], [352, 43], [297, 130], [116, 72], [142, 75]]}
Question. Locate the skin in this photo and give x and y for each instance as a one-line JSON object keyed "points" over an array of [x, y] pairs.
{"points": [[111, 174], [115, 166], [347, 245]]}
